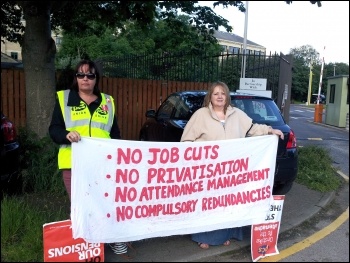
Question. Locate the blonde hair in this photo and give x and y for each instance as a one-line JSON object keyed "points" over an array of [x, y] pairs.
{"points": [[226, 90]]}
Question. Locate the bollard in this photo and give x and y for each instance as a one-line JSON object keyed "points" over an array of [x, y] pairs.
{"points": [[318, 113]]}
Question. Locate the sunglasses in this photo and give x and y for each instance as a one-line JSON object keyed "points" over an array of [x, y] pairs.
{"points": [[90, 76]]}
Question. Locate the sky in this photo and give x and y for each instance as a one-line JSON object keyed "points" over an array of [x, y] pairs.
{"points": [[279, 27]]}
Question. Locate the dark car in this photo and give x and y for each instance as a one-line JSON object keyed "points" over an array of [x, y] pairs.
{"points": [[10, 156], [167, 124], [322, 99]]}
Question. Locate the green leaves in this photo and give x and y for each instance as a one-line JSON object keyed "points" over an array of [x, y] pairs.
{"points": [[316, 170]]}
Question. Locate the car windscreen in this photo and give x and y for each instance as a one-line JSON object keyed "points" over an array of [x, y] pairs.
{"points": [[262, 111], [187, 105]]}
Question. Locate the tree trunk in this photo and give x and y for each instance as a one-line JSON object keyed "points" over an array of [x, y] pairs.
{"points": [[38, 53]]}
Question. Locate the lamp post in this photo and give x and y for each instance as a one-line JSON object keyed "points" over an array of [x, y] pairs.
{"points": [[310, 85], [245, 41]]}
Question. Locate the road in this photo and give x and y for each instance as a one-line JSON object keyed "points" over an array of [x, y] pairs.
{"points": [[332, 224], [336, 140]]}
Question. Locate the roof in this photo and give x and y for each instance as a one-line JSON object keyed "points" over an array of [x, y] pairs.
{"points": [[233, 38], [9, 62]]}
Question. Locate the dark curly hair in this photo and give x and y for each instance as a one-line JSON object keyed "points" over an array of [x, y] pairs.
{"points": [[93, 68]]}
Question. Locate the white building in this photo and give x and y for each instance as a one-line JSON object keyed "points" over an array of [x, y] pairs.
{"points": [[233, 44]]}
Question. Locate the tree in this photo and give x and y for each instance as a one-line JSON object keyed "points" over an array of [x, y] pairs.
{"points": [[307, 54], [38, 48], [175, 35], [303, 57], [300, 79], [336, 69]]}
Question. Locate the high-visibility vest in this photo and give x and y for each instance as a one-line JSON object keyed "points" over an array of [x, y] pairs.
{"points": [[78, 118]]}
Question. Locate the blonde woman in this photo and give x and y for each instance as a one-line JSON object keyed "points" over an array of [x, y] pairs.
{"points": [[219, 120]]}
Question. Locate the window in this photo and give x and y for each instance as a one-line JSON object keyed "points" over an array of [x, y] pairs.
{"points": [[167, 108], [14, 55], [260, 110], [236, 50], [248, 52], [190, 104], [223, 48], [238, 104], [332, 93], [233, 50], [181, 111], [230, 50]]}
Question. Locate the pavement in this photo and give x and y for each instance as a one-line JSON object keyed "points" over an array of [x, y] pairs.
{"points": [[300, 204]]}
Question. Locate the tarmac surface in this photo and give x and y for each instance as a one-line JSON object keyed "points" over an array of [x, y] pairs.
{"points": [[300, 204]]}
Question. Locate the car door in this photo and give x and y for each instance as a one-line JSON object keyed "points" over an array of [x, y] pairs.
{"points": [[166, 128]]}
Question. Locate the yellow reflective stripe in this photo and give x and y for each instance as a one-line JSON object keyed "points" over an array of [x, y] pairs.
{"points": [[100, 126]]}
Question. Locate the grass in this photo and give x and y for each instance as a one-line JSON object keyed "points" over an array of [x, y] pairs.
{"points": [[22, 220], [315, 169], [45, 199]]}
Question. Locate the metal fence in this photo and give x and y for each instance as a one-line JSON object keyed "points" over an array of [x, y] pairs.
{"points": [[194, 67]]}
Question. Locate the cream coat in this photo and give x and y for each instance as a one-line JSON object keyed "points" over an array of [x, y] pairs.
{"points": [[204, 125]]}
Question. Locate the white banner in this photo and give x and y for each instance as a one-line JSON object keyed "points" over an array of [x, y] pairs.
{"points": [[130, 190]]}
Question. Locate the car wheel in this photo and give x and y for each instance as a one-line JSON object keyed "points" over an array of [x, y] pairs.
{"points": [[282, 189]]}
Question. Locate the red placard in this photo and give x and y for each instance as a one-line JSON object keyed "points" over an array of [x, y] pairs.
{"points": [[60, 246], [265, 236]]}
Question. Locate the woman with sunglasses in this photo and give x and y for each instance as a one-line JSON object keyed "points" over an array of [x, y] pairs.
{"points": [[83, 111]]}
